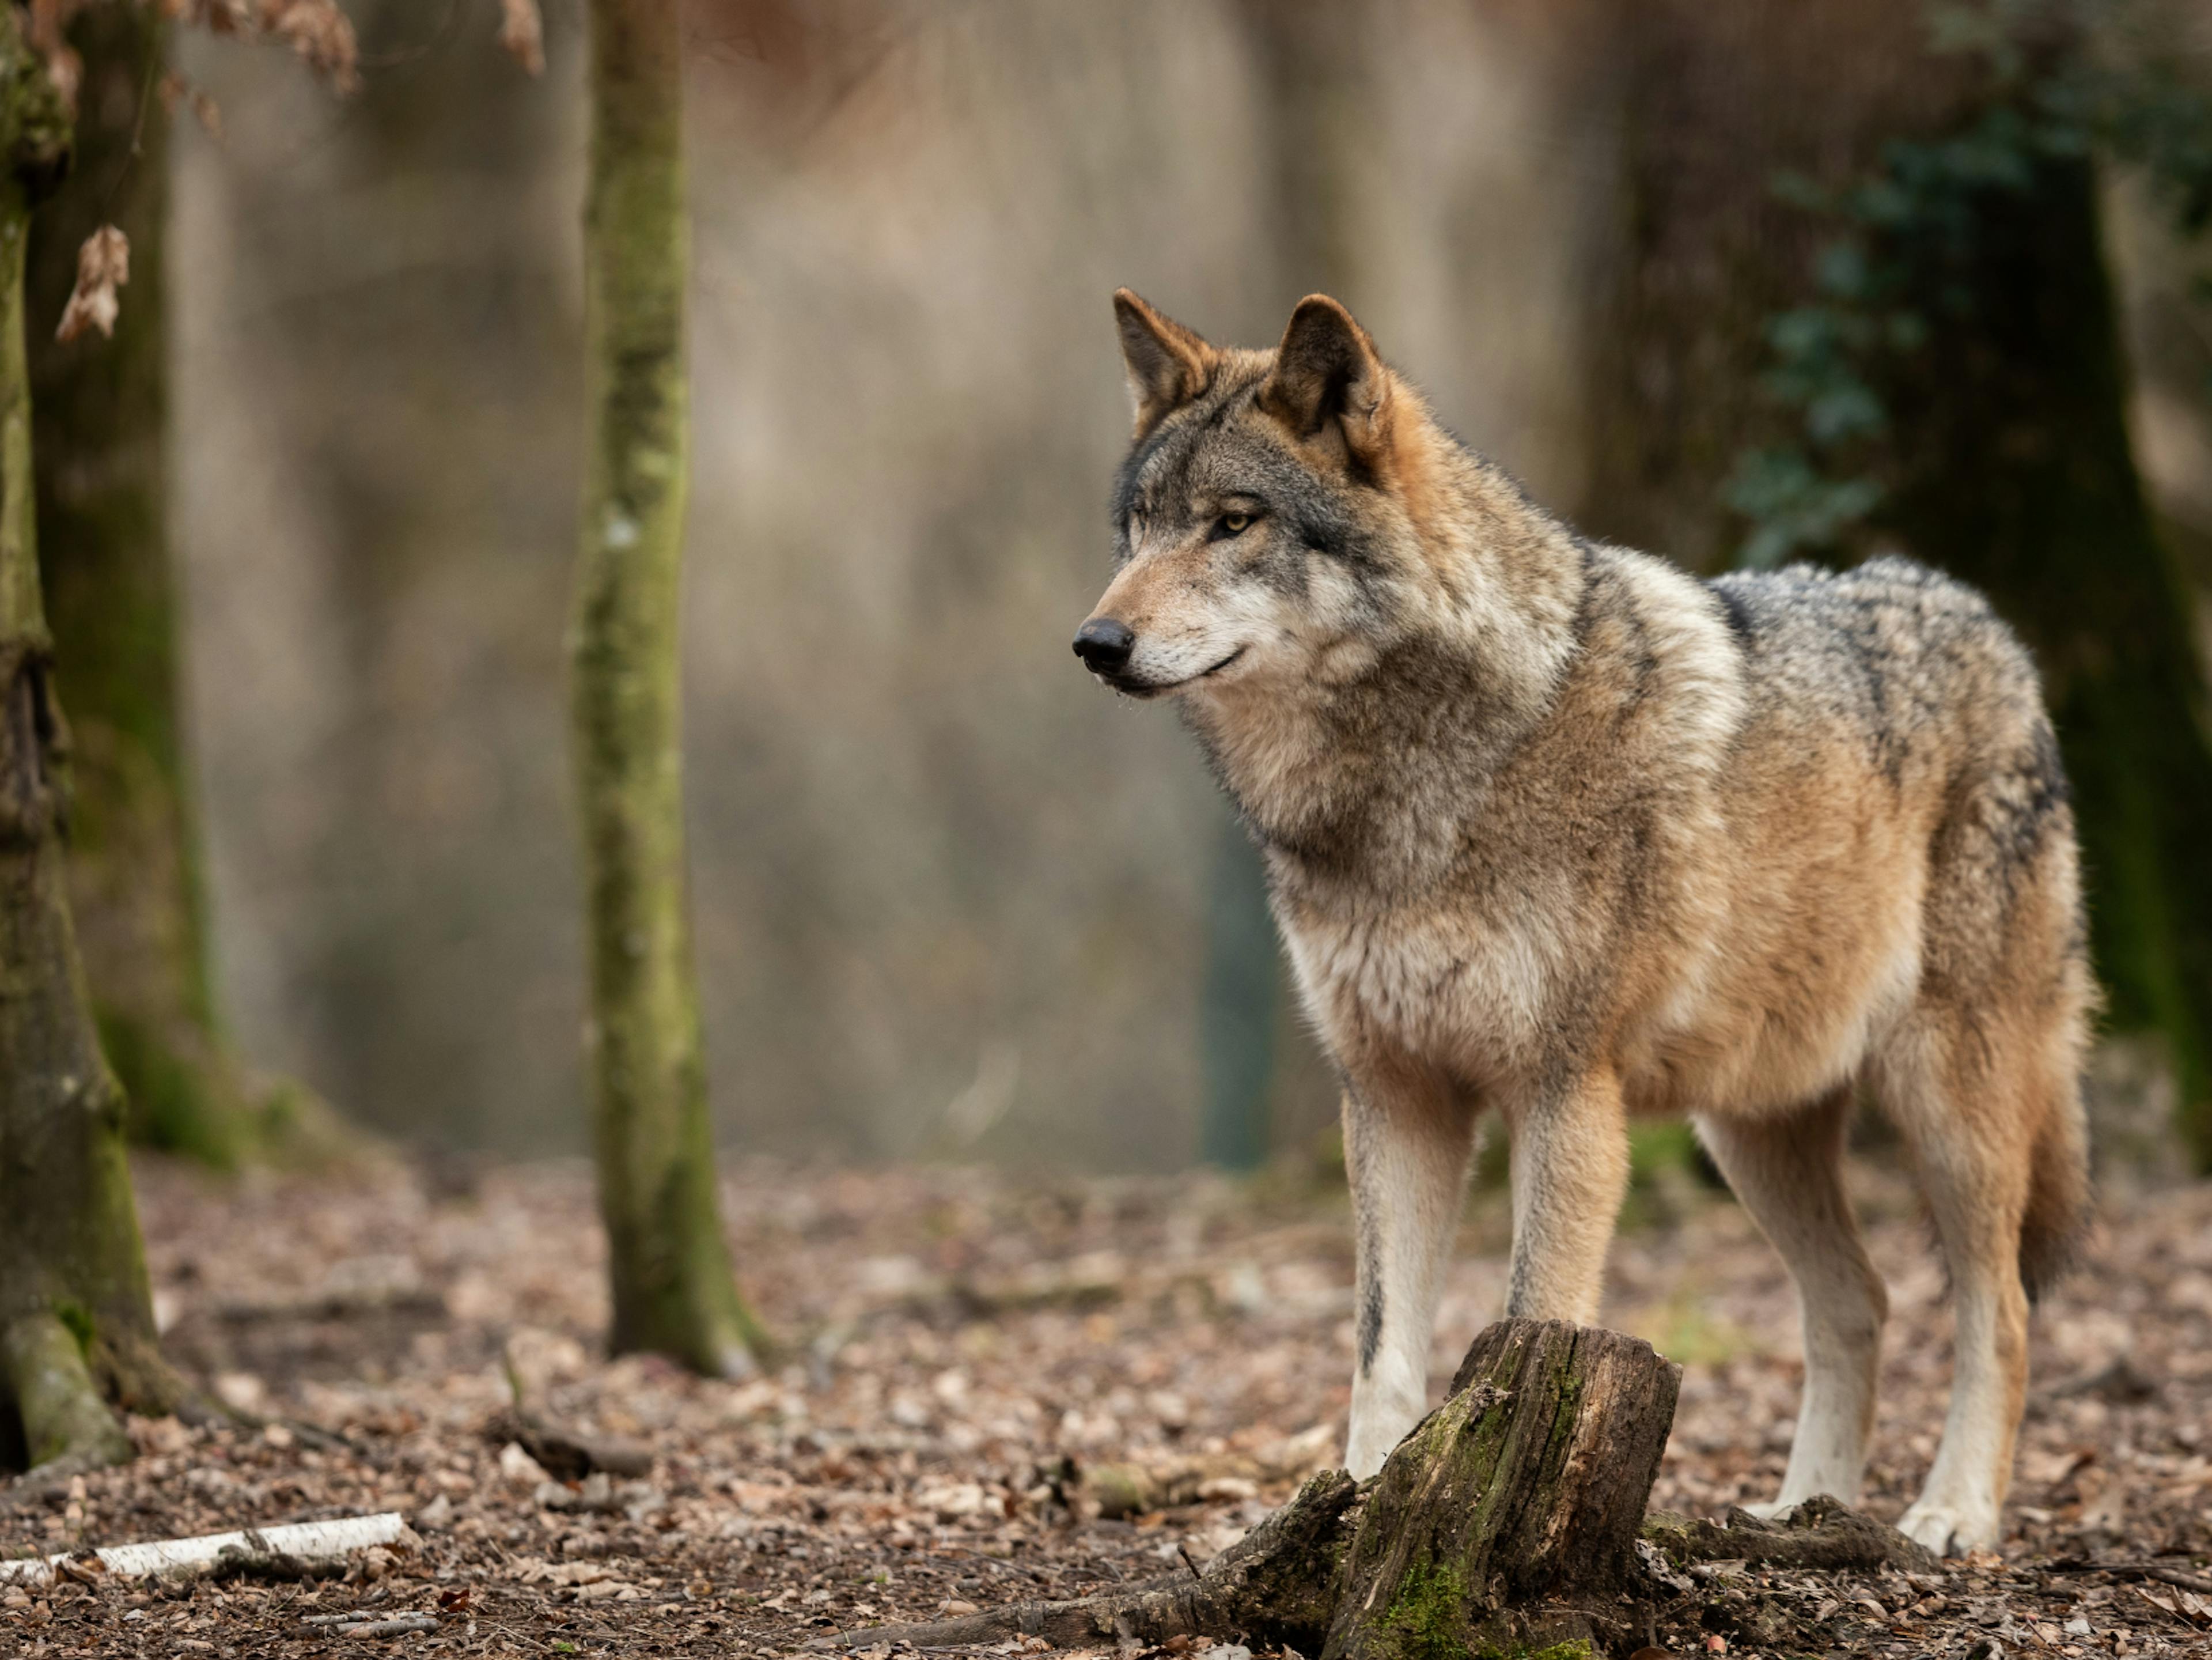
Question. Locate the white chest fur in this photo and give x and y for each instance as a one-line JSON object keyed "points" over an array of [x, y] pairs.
{"points": [[1471, 999]]}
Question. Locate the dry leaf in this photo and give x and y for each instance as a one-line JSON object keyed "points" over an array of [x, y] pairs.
{"points": [[523, 33], [50, 21], [320, 33], [175, 90], [103, 265]]}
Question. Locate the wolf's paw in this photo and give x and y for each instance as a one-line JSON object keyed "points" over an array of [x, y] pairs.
{"points": [[1772, 1512], [1950, 1529]]}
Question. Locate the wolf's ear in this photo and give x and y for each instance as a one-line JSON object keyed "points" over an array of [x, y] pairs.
{"points": [[1326, 370], [1168, 364]]}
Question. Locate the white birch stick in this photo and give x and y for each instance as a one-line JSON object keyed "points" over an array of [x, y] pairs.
{"points": [[307, 1542]]}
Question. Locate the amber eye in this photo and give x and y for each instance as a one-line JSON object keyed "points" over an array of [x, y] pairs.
{"points": [[1234, 524]]}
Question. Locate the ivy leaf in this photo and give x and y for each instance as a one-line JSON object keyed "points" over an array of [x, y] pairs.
{"points": [[1845, 411]]}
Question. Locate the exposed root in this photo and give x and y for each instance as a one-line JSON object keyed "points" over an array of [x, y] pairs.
{"points": [[1820, 1533], [1276, 1583], [67, 1426]]}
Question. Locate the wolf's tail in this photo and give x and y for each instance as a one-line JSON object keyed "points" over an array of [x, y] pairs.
{"points": [[2058, 1198]]}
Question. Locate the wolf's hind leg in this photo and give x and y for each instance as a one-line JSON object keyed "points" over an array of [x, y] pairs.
{"points": [[1787, 1171], [1407, 1138], [1570, 1174], [1971, 1126]]}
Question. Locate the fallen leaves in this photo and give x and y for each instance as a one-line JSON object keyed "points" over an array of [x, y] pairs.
{"points": [[980, 1356], [318, 31], [522, 33], [103, 265]]}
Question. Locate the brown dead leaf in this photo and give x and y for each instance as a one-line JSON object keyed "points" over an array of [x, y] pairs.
{"points": [[522, 32], [103, 265], [176, 89], [320, 33], [50, 21]]}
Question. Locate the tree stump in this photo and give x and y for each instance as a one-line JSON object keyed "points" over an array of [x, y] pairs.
{"points": [[1511, 1512], [1507, 1520]]}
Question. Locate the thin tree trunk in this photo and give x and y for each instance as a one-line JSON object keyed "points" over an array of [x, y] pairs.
{"points": [[76, 1313], [673, 1289], [101, 421]]}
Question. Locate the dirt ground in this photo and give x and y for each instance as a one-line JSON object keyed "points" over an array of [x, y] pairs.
{"points": [[968, 1354]]}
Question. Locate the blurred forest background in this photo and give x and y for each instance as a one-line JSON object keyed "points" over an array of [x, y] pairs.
{"points": [[950, 899]]}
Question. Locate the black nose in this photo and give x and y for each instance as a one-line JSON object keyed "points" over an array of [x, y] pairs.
{"points": [[1104, 645]]}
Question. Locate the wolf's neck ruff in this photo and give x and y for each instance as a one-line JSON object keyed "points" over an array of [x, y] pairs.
{"points": [[1370, 773]]}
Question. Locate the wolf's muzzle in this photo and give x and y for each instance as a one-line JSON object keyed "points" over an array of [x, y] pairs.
{"points": [[1104, 645]]}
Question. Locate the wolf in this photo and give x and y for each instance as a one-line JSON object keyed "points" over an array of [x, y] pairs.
{"points": [[1553, 828]]}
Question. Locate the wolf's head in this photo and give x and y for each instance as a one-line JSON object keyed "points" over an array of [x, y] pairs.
{"points": [[1288, 520]]}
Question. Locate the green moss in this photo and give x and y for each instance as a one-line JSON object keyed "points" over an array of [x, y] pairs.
{"points": [[1427, 1619], [174, 1104], [78, 1319]]}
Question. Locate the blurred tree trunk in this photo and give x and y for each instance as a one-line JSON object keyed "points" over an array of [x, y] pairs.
{"points": [[1305, 55], [673, 1289], [76, 1314], [102, 423], [1715, 99], [1237, 1009], [2018, 475]]}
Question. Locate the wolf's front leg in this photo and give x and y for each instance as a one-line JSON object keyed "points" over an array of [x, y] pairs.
{"points": [[1569, 1172], [1406, 1141]]}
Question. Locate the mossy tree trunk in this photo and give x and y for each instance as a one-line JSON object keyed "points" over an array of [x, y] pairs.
{"points": [[2017, 474], [100, 426], [76, 1313], [674, 1291]]}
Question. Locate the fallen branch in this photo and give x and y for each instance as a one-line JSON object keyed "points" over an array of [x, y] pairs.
{"points": [[369, 1625], [2180, 1578], [565, 1454], [297, 1544]]}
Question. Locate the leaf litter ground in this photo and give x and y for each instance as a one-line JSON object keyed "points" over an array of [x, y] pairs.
{"points": [[990, 1379]]}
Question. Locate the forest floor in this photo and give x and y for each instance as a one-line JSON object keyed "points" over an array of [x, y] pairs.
{"points": [[971, 1353]]}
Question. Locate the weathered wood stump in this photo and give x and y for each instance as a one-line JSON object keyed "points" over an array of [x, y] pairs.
{"points": [[1511, 1514], [1506, 1519]]}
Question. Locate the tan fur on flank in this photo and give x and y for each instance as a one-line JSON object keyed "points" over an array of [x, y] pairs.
{"points": [[1554, 829]]}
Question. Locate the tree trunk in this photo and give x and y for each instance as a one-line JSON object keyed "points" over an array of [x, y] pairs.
{"points": [[1508, 1519], [673, 1289], [1717, 97], [76, 1312], [1305, 55], [101, 425], [2017, 472]]}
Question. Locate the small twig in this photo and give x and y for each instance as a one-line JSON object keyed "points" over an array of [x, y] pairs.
{"points": [[146, 94], [395, 1625], [2200, 1583]]}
